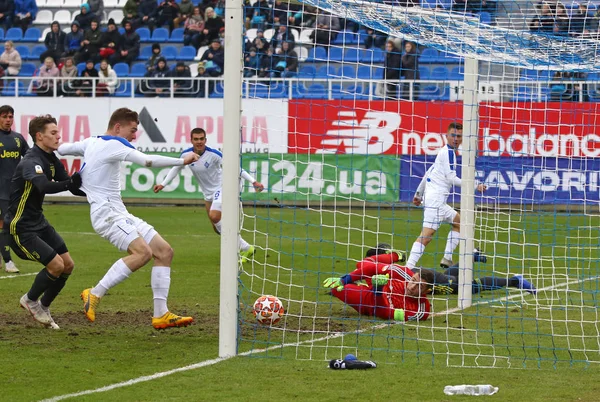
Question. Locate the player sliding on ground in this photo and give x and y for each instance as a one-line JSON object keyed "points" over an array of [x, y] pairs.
{"points": [[394, 292], [101, 172], [208, 173], [433, 193]]}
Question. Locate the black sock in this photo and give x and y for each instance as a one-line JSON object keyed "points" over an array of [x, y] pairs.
{"points": [[4, 247], [54, 289], [43, 280], [489, 283]]}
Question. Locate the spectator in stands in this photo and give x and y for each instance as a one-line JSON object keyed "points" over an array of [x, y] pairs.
{"points": [[108, 80], [561, 24], [260, 36], [44, 84], [326, 28], [409, 64], [251, 63], [309, 17], [110, 40], [544, 22], [130, 10], [280, 13], [281, 35], [268, 62], [166, 13], [581, 23], [182, 80], [153, 60], [261, 15], [222, 36], [160, 86], [7, 13], [287, 61], [186, 9], [199, 87], [214, 58], [25, 13], [55, 43], [90, 46], [212, 26], [97, 8], [68, 73], [85, 18], [129, 48], [73, 40], [147, 13], [294, 15], [374, 39], [193, 28], [392, 69], [10, 60], [85, 84]]}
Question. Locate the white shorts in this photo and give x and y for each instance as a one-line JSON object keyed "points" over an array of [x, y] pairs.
{"points": [[437, 213], [119, 227], [217, 201]]}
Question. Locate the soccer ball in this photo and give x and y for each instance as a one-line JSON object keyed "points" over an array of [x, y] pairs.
{"points": [[268, 310]]}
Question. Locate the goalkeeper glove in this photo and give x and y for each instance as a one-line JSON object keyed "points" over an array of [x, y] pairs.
{"points": [[442, 290], [398, 314], [332, 283], [379, 281]]}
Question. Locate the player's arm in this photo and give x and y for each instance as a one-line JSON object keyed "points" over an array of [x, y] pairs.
{"points": [[34, 173], [170, 176], [74, 148], [421, 189], [248, 177], [143, 159], [62, 175]]}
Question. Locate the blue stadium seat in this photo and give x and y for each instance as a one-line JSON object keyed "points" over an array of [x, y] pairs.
{"points": [[121, 30], [457, 73], [314, 91], [364, 73], [371, 56], [177, 35], [80, 68], [11, 89], [424, 73], [266, 91], [447, 58], [138, 70], [169, 52], [378, 73], [485, 18], [187, 53], [352, 92], [307, 71], [1, 34], [14, 34], [32, 35], [317, 54], [144, 34], [535, 75], [123, 90], [428, 56], [218, 91], [160, 35], [434, 92], [121, 69], [145, 53], [36, 52], [23, 51], [347, 72], [346, 38], [439, 73], [351, 55], [335, 53], [27, 70], [524, 94], [326, 72]]}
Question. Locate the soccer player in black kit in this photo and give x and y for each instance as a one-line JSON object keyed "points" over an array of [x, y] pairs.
{"points": [[12, 148], [31, 236]]}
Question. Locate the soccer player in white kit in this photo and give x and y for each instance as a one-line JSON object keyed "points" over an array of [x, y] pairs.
{"points": [[433, 193], [100, 173], [209, 174]]}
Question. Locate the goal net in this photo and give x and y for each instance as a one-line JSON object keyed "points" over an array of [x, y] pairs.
{"points": [[352, 126]]}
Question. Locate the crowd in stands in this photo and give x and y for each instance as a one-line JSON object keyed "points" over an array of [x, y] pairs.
{"points": [[553, 18]]}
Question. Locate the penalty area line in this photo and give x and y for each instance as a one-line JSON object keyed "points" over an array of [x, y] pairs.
{"points": [[211, 362], [17, 275]]}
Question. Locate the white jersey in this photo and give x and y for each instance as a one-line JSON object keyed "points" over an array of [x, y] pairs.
{"points": [[440, 177]]}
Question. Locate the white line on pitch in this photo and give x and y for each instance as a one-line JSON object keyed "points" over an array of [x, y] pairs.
{"points": [[163, 234], [211, 362], [17, 275]]}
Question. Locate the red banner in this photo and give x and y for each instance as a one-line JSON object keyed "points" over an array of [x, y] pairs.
{"points": [[415, 128]]}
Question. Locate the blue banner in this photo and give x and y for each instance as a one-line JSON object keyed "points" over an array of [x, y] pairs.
{"points": [[534, 180]]}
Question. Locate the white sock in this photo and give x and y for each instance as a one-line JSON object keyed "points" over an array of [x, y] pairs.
{"points": [[115, 275], [244, 246], [218, 226], [161, 281], [415, 254], [451, 243]]}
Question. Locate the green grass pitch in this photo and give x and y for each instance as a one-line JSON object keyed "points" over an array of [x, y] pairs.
{"points": [[546, 342]]}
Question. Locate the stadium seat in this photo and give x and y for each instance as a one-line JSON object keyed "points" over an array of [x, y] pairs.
{"points": [[169, 52], [145, 53], [177, 36], [434, 92], [62, 17], [378, 73], [317, 54], [187, 53], [335, 53], [371, 56], [347, 72], [218, 90], [265, 91], [144, 34], [160, 35], [314, 91], [346, 38], [121, 69], [268, 34], [251, 34], [326, 72], [485, 18], [457, 73], [138, 70], [439, 73], [351, 55], [116, 15], [14, 34], [43, 17], [111, 3], [305, 36], [80, 68], [36, 52], [307, 72], [44, 33], [54, 3], [201, 52], [12, 88], [23, 51], [428, 56], [524, 94], [424, 73], [32, 35], [447, 58], [40, 3], [27, 70], [302, 53], [295, 34], [353, 92], [72, 4], [123, 90]]}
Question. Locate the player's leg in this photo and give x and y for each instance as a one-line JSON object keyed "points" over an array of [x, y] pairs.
{"points": [[493, 283], [453, 217], [9, 265], [360, 298], [246, 250], [418, 247], [208, 205], [161, 283]]}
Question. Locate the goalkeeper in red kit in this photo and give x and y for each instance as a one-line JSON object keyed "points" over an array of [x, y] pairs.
{"points": [[393, 292]]}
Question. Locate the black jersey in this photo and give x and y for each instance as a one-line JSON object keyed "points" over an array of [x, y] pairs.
{"points": [[12, 148], [25, 212]]}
